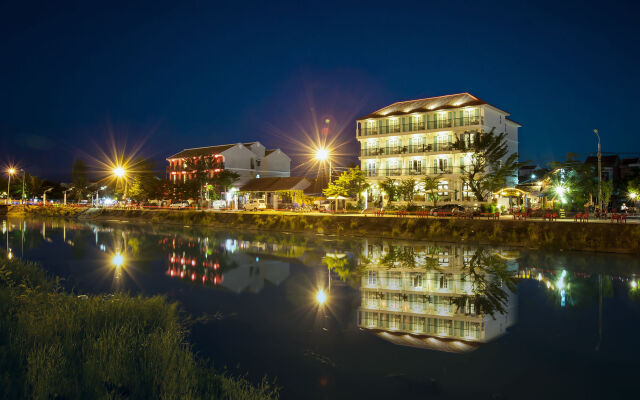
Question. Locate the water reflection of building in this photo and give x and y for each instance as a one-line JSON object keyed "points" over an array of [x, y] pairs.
{"points": [[422, 297], [233, 264]]}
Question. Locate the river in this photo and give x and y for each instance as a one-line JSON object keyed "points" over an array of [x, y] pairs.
{"points": [[333, 317]]}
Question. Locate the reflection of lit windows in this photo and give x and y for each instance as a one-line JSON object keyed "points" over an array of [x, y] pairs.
{"points": [[417, 281], [372, 278], [443, 282]]}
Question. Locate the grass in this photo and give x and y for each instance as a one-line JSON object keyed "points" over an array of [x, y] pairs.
{"points": [[57, 345]]}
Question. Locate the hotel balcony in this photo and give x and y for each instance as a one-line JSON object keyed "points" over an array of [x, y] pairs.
{"points": [[420, 126], [397, 150], [384, 172]]}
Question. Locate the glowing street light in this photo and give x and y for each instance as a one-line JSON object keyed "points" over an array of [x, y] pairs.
{"points": [[10, 171], [117, 260], [119, 172], [322, 155]]}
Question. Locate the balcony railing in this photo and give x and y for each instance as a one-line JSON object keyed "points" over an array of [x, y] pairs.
{"points": [[422, 171], [411, 149], [420, 126]]}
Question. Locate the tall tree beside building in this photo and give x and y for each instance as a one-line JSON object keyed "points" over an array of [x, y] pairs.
{"points": [[490, 164], [350, 183], [390, 188], [430, 188], [79, 179], [144, 184], [407, 189]]}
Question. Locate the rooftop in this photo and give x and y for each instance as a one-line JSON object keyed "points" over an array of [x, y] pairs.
{"points": [[206, 151], [428, 104]]}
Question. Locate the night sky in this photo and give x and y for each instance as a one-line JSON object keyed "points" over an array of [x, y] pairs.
{"points": [[171, 75]]}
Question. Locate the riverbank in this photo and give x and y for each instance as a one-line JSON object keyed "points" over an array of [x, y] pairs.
{"points": [[58, 345], [600, 237]]}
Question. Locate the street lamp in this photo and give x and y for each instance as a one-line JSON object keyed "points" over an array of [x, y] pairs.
{"points": [[10, 171], [44, 196], [599, 172], [323, 155], [98, 194], [65, 194], [119, 172]]}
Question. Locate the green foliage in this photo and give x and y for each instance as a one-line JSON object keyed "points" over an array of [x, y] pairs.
{"points": [[607, 190], [389, 187], [490, 165], [491, 282], [55, 345], [350, 183], [577, 178], [430, 188], [407, 189]]}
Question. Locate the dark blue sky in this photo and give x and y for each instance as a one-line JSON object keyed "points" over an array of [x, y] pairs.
{"points": [[188, 74]]}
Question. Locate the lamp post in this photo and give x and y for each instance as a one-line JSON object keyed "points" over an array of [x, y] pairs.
{"points": [[10, 171], [44, 196], [65, 195], [98, 195], [121, 173], [599, 172], [323, 154]]}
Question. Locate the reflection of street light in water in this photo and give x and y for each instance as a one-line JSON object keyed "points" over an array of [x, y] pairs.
{"points": [[321, 297], [117, 260]]}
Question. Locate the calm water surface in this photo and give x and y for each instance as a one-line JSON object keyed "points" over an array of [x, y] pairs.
{"points": [[400, 319]]}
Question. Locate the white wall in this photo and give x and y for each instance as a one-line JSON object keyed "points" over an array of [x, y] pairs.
{"points": [[275, 164], [238, 159]]}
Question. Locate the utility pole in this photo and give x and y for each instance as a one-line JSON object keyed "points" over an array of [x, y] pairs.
{"points": [[599, 172]]}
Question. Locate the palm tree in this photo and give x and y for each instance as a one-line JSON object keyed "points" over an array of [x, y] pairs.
{"points": [[430, 188]]}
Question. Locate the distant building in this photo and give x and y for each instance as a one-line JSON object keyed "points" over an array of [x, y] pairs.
{"points": [[610, 166], [412, 139], [629, 168], [249, 160]]}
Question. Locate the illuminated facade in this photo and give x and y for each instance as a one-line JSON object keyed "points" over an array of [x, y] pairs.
{"points": [[413, 139], [414, 298], [249, 160]]}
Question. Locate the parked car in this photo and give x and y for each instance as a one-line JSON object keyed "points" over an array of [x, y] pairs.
{"points": [[448, 208], [255, 204], [179, 205], [218, 204]]}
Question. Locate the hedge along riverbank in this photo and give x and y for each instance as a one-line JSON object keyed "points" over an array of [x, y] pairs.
{"points": [[603, 237], [57, 345]]}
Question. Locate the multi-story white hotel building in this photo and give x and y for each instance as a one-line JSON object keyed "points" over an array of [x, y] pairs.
{"points": [[414, 304], [410, 139]]}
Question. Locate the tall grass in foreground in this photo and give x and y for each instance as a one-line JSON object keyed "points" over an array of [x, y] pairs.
{"points": [[56, 345]]}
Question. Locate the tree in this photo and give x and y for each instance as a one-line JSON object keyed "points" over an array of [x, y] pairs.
{"points": [[634, 186], [490, 165], [144, 184], [607, 190], [350, 183], [224, 179], [407, 189], [491, 281], [430, 188], [390, 188], [79, 179]]}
